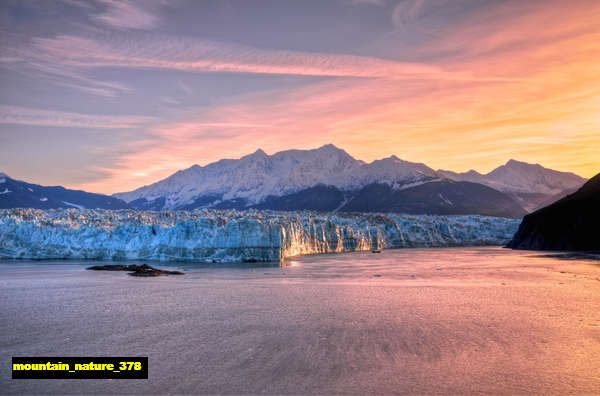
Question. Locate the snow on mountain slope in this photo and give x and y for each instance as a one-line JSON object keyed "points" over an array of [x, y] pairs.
{"points": [[19, 194], [516, 176], [470, 176], [226, 236], [257, 179], [257, 176], [396, 173], [521, 177]]}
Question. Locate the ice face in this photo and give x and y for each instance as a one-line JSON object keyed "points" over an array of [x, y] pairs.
{"points": [[230, 235]]}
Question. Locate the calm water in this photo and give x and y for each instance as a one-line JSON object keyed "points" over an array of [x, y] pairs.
{"points": [[426, 321]]}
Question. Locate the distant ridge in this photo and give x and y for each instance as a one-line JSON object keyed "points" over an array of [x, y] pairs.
{"points": [[19, 194], [531, 185]]}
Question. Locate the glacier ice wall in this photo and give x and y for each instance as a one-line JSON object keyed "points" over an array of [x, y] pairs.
{"points": [[230, 235]]}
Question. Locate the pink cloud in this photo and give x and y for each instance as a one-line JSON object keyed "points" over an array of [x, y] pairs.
{"points": [[27, 116], [545, 109], [176, 53], [127, 14]]}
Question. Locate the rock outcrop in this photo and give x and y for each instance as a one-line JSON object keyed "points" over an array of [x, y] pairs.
{"points": [[569, 224]]}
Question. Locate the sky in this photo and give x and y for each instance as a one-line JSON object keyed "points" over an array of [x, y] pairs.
{"points": [[109, 95]]}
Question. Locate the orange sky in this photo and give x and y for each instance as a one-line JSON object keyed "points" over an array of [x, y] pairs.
{"points": [[515, 80], [544, 107]]}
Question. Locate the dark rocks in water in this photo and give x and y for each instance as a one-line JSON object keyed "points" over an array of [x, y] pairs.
{"points": [[146, 270], [113, 267], [568, 224], [143, 270]]}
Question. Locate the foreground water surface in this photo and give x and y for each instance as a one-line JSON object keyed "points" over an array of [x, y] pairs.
{"points": [[427, 321]]}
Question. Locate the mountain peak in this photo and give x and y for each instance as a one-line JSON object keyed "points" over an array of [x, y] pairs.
{"points": [[258, 154], [473, 172], [523, 177], [330, 148], [515, 163], [393, 160]]}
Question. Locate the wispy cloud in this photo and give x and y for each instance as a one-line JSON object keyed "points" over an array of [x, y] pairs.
{"points": [[176, 53], [25, 60], [497, 80], [379, 3], [184, 87], [38, 117], [407, 11], [67, 60], [127, 14], [546, 110], [117, 15]]}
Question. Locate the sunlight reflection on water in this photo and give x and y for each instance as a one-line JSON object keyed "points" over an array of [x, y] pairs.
{"points": [[442, 321]]}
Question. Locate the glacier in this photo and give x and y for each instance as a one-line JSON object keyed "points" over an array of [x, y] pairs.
{"points": [[231, 235]]}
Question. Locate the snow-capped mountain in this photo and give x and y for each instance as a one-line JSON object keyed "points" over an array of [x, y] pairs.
{"points": [[531, 185], [255, 177], [326, 179], [19, 194]]}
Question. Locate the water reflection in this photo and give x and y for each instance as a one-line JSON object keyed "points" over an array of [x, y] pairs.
{"points": [[572, 256], [409, 321]]}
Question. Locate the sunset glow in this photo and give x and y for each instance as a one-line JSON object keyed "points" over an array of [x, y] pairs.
{"points": [[456, 88]]}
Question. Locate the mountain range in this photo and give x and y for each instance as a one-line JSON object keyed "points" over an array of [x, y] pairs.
{"points": [[328, 179], [532, 186], [19, 194]]}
